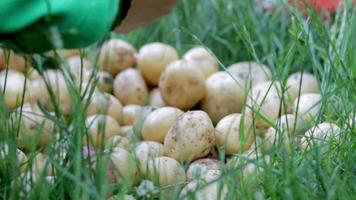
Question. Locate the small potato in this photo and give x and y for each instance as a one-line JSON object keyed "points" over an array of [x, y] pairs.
{"points": [[251, 72], [307, 107], [41, 165], [130, 113], [320, 135], [301, 83], [130, 88], [15, 88], [156, 99], [118, 141], [80, 68], [105, 81], [13, 61], [224, 95], [153, 58], [191, 137], [128, 132], [123, 167], [100, 129], [147, 151], [106, 104], [264, 103], [199, 167], [21, 157], [234, 133], [166, 171], [182, 85], [158, 122], [117, 55], [205, 60]]}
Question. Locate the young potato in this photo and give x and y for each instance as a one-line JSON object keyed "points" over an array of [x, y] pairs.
{"points": [[190, 137], [307, 107], [156, 99], [21, 157], [204, 60], [117, 55], [130, 113], [106, 104], [105, 81], [320, 135], [128, 132], [153, 58], [198, 168], [264, 103], [80, 68], [130, 88], [118, 141], [41, 165], [146, 151], [182, 85], [13, 61], [158, 122], [301, 83], [123, 166], [166, 171], [234, 133], [35, 128], [100, 129], [224, 95], [251, 72]]}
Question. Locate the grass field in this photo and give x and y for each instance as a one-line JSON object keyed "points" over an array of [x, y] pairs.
{"points": [[235, 31]]}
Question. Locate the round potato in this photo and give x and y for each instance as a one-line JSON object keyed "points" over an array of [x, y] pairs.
{"points": [[153, 58], [165, 171], [190, 137], [147, 151], [106, 104], [130, 113], [182, 85], [14, 84], [307, 107], [105, 81], [117, 55], [234, 133], [204, 60], [224, 95], [118, 141], [320, 135], [21, 157], [80, 68], [123, 167], [158, 122], [130, 88], [100, 129], [198, 168], [301, 83], [156, 99], [251, 72]]}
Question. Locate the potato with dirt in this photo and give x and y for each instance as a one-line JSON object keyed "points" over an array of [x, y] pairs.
{"points": [[156, 99], [251, 72], [203, 59], [147, 151], [301, 83], [199, 167], [307, 108]]}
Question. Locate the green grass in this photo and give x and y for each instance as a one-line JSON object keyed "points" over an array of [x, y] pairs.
{"points": [[234, 31]]}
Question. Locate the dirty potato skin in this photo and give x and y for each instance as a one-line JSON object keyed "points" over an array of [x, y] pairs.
{"points": [[182, 85], [204, 59], [202, 165], [301, 83], [191, 137], [130, 88], [307, 107], [251, 72], [146, 151]]}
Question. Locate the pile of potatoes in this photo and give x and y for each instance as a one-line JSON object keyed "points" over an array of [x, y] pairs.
{"points": [[163, 118]]}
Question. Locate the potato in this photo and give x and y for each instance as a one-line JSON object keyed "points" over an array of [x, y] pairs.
{"points": [[224, 95], [127, 132], [130, 113], [182, 85], [147, 151], [307, 107], [79, 67], [156, 99], [35, 128], [301, 83], [251, 72], [105, 81], [41, 165], [130, 88], [100, 129], [320, 135], [13, 61], [123, 166], [106, 104], [33, 74], [158, 122], [21, 157], [191, 137], [153, 58], [118, 141], [233, 136], [207, 188], [14, 90], [199, 167], [166, 171], [264, 103], [204, 60], [117, 55]]}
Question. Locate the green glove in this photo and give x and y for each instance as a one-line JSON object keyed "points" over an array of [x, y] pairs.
{"points": [[36, 26]]}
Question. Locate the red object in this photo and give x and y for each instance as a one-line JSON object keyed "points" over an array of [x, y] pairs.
{"points": [[319, 5]]}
